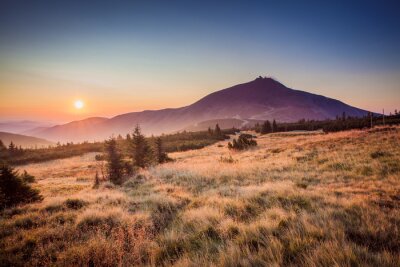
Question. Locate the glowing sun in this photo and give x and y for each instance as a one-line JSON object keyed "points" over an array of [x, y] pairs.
{"points": [[78, 104]]}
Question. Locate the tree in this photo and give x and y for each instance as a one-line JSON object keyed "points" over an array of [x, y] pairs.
{"points": [[141, 151], [266, 127], [13, 190], [114, 166], [217, 130], [2, 146], [12, 148], [210, 131], [274, 126], [160, 153]]}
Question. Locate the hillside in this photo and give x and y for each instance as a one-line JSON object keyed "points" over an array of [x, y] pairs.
{"points": [[23, 140], [294, 200], [261, 99]]}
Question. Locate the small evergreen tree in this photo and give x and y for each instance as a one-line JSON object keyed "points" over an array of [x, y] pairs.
{"points": [[114, 161], [160, 153], [2, 146], [12, 148], [141, 151], [217, 130], [13, 190], [274, 127]]}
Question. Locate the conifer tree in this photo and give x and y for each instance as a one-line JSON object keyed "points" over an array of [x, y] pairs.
{"points": [[13, 190], [114, 161], [274, 126], [11, 148], [160, 153], [217, 130], [141, 151]]}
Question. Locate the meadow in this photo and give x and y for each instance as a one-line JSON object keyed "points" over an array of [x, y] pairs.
{"points": [[296, 199]]}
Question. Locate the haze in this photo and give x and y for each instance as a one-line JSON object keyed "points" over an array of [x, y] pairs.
{"points": [[130, 56]]}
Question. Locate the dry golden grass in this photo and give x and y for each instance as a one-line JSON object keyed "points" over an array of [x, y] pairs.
{"points": [[294, 200]]}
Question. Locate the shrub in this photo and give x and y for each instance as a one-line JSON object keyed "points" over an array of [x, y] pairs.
{"points": [[27, 178], [227, 159], [244, 141], [75, 204], [14, 190]]}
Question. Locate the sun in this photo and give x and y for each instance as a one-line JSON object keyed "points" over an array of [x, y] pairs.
{"points": [[78, 104]]}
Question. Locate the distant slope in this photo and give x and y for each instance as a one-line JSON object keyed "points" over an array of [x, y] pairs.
{"points": [[72, 131], [23, 140], [223, 124], [20, 127], [260, 99]]}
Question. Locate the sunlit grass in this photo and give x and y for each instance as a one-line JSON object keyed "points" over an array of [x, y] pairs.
{"points": [[294, 200]]}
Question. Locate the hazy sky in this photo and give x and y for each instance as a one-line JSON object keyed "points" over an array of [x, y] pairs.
{"points": [[122, 56]]}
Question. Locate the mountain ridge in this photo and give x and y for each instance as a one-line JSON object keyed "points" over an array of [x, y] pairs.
{"points": [[260, 99]]}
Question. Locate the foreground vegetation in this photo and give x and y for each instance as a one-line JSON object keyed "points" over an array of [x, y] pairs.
{"points": [[292, 200]]}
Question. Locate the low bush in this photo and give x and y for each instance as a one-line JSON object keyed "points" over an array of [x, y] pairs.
{"points": [[243, 142]]}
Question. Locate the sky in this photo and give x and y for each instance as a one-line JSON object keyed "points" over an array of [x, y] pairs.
{"points": [[123, 56]]}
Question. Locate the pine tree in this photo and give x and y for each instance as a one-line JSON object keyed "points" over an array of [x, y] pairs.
{"points": [[114, 161], [160, 153], [13, 190], [217, 130], [266, 127], [274, 126], [2, 146], [12, 148], [141, 151]]}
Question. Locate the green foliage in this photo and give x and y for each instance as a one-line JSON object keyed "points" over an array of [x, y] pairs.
{"points": [[243, 142], [142, 154], [161, 156], [14, 190], [114, 161]]}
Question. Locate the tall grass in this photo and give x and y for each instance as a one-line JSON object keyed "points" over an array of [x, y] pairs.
{"points": [[294, 200]]}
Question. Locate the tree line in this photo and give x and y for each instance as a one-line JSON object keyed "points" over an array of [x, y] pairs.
{"points": [[340, 123]]}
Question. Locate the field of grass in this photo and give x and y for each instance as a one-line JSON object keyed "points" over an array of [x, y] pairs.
{"points": [[294, 200]]}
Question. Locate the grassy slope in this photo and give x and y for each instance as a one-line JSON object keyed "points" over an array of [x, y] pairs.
{"points": [[295, 200]]}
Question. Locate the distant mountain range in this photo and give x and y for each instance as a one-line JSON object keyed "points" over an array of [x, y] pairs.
{"points": [[23, 140], [20, 126], [257, 100]]}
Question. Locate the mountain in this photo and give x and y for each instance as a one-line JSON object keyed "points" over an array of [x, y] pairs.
{"points": [[72, 131], [260, 99], [21, 126], [23, 140]]}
